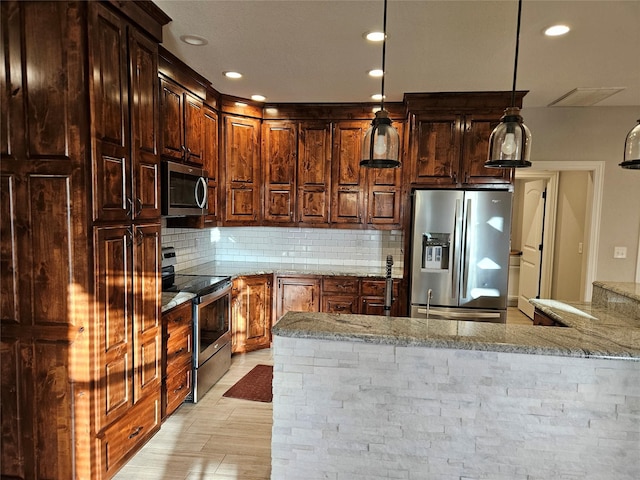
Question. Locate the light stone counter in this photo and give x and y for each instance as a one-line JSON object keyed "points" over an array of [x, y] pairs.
{"points": [[593, 341], [236, 269], [173, 299]]}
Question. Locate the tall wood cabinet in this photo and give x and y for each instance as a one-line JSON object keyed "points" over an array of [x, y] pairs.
{"points": [[79, 236]]}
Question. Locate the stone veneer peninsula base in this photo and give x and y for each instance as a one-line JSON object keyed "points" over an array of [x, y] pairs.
{"points": [[361, 410]]}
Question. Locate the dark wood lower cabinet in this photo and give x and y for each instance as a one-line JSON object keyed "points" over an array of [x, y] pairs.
{"points": [[251, 311], [177, 360]]}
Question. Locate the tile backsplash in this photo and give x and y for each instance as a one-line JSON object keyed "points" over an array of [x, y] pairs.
{"points": [[285, 246]]}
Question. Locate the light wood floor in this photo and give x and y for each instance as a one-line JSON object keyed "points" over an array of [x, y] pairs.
{"points": [[220, 438]]}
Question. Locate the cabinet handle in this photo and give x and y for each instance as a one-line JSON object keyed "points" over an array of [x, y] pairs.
{"points": [[179, 388], [138, 206], [140, 237], [129, 236], [130, 207], [136, 431], [180, 351], [178, 319], [455, 178]]}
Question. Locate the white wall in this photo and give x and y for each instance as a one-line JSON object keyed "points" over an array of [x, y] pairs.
{"points": [[286, 246], [568, 261], [596, 134]]}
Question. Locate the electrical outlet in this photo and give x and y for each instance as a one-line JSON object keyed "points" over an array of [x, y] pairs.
{"points": [[619, 252]]}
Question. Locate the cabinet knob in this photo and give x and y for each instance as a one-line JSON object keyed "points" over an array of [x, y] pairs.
{"points": [[136, 431]]}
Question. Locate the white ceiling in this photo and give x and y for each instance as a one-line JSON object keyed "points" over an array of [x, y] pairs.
{"points": [[313, 51]]}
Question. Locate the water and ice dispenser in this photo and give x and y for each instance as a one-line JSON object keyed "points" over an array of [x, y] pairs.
{"points": [[435, 251]]}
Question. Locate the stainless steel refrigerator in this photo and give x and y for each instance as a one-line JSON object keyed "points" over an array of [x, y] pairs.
{"points": [[460, 254]]}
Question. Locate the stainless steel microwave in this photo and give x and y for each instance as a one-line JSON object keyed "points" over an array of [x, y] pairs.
{"points": [[184, 190]]}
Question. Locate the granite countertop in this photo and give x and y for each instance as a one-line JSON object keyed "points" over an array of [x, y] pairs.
{"points": [[237, 269], [173, 299], [598, 341]]}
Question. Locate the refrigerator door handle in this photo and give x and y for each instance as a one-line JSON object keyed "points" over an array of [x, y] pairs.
{"points": [[454, 250], [465, 249]]}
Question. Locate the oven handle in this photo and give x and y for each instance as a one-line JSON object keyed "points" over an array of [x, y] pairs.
{"points": [[213, 296]]}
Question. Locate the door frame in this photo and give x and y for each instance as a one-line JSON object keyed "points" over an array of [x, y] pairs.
{"points": [[596, 168]]}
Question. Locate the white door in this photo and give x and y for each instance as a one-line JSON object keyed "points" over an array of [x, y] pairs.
{"points": [[530, 261]]}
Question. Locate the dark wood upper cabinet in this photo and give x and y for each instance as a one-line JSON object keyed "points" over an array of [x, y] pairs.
{"points": [[145, 125], [314, 172], [362, 196], [182, 123], [242, 172], [475, 148], [348, 178], [279, 155], [211, 126], [449, 138]]}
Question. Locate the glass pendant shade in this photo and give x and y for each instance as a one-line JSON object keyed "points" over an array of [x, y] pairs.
{"points": [[632, 149], [381, 145], [510, 142]]}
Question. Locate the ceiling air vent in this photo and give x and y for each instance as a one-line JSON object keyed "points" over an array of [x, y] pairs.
{"points": [[585, 97]]}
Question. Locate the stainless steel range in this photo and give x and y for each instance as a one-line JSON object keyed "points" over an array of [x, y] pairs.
{"points": [[211, 322]]}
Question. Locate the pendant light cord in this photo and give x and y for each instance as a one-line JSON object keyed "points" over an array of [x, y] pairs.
{"points": [[515, 66], [384, 48]]}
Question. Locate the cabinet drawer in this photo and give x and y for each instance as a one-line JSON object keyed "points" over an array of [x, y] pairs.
{"points": [[179, 346], [178, 386], [130, 432], [340, 304], [340, 285], [178, 317], [376, 288]]}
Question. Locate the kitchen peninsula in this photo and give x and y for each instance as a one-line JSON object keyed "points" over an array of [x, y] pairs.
{"points": [[365, 397]]}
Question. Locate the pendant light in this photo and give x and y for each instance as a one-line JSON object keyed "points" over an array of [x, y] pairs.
{"points": [[381, 145], [510, 141], [632, 149]]}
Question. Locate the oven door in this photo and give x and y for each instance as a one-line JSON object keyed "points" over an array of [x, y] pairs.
{"points": [[211, 329]]}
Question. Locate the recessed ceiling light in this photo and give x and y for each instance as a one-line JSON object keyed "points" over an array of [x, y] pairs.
{"points": [[376, 72], [377, 96], [196, 40], [232, 74], [258, 98], [374, 36], [556, 30]]}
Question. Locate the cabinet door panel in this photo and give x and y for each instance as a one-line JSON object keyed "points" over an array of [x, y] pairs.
{"points": [[314, 172], [279, 155], [210, 161], [147, 294], [171, 105], [145, 161], [114, 292], [434, 150], [299, 294], [112, 196], [347, 199], [242, 169], [252, 310], [475, 150], [193, 120]]}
